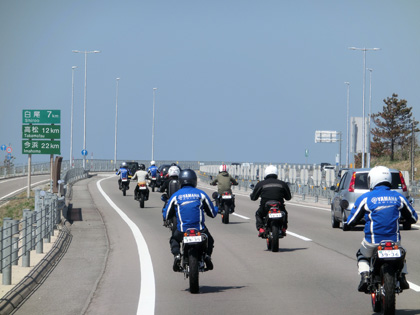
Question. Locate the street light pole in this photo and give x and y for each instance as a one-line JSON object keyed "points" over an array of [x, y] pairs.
{"points": [[71, 119], [85, 96], [153, 126], [363, 101], [116, 123], [370, 114], [347, 124]]}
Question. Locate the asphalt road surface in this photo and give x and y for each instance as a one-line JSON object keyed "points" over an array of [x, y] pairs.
{"points": [[314, 272]]}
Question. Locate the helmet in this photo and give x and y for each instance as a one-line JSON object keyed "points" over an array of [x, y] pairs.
{"points": [[152, 163], [188, 178], [270, 170], [174, 164], [379, 175], [222, 168], [142, 167], [173, 171], [123, 164]]}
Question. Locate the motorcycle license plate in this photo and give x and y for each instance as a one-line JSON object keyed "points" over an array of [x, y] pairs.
{"points": [[192, 239], [227, 197], [142, 187], [124, 180], [275, 215], [389, 253]]}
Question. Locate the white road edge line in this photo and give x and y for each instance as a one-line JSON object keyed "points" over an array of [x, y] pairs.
{"points": [[147, 278], [299, 236], [414, 287], [21, 189]]}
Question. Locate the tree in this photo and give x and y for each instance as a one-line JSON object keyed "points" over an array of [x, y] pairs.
{"points": [[393, 127]]}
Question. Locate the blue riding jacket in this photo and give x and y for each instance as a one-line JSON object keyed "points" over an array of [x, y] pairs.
{"points": [[123, 172], [382, 208], [152, 170], [189, 204]]}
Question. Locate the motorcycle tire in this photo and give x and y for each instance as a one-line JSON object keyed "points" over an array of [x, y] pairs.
{"points": [[174, 224], [275, 230], [193, 270], [141, 201], [225, 215], [124, 191], [153, 187], [388, 278]]}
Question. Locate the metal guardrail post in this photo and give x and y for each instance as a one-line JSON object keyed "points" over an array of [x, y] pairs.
{"points": [[47, 212], [1, 249], [27, 237], [39, 205], [7, 251], [15, 242]]}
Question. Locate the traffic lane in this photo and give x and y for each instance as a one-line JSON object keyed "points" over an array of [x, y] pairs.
{"points": [[118, 289], [247, 280], [234, 284], [11, 186]]}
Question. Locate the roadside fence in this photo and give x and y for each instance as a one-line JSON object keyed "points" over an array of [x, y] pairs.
{"points": [[20, 237]]}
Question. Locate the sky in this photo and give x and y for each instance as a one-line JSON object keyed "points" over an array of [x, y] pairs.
{"points": [[238, 81]]}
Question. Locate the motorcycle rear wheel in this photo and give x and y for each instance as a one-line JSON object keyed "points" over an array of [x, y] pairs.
{"points": [[388, 284], [275, 230], [193, 270], [141, 201], [124, 191], [225, 215]]}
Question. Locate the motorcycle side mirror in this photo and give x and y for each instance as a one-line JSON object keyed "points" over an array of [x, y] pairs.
{"points": [[251, 186], [214, 195]]}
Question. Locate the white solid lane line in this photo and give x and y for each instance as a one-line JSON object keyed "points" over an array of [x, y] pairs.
{"points": [[23, 188], [147, 298]]}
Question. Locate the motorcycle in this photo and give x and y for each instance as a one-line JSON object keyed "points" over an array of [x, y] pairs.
{"points": [[125, 185], [141, 193], [171, 222], [226, 205], [153, 183], [386, 265], [193, 252], [273, 224]]}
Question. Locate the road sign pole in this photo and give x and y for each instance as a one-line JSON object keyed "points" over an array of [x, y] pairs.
{"points": [[51, 172], [28, 191]]}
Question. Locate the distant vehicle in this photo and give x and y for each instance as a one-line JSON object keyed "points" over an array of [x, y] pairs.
{"points": [[352, 185], [161, 174], [132, 167], [323, 165], [329, 167]]}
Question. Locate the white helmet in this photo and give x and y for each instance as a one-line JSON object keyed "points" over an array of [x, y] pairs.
{"points": [[123, 164], [152, 163], [222, 168], [270, 170], [378, 175], [173, 171]]}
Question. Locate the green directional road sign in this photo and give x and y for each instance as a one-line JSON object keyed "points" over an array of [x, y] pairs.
{"points": [[40, 147], [38, 116], [41, 131]]}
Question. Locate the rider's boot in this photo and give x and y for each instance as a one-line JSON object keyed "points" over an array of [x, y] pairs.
{"points": [[403, 282], [364, 282]]}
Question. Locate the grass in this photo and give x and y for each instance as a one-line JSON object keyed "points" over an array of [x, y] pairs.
{"points": [[14, 207], [399, 165]]}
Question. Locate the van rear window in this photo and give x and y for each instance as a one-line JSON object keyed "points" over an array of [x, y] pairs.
{"points": [[361, 181]]}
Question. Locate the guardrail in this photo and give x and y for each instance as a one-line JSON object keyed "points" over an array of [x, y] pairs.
{"points": [[20, 237], [303, 180]]}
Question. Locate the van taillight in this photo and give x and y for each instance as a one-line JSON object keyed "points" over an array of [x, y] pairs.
{"points": [[353, 180], [404, 186]]}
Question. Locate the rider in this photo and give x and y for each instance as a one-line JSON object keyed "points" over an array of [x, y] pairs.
{"points": [[152, 170], [123, 172], [270, 188], [224, 183], [381, 207], [189, 205], [141, 176], [170, 185]]}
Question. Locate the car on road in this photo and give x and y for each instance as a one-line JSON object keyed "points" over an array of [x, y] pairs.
{"points": [[161, 174], [354, 183], [132, 167]]}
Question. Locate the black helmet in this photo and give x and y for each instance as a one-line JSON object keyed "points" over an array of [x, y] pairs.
{"points": [[142, 167], [188, 178]]}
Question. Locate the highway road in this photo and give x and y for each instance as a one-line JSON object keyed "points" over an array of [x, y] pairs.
{"points": [[11, 186], [314, 272]]}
